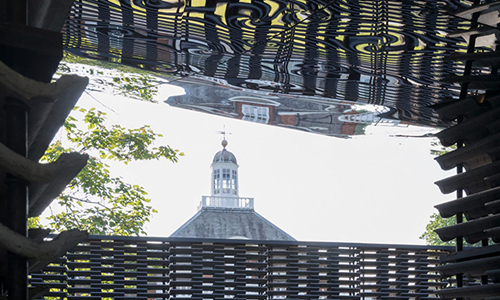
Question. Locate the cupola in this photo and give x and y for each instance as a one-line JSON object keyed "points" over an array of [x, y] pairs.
{"points": [[226, 215], [224, 155], [224, 173]]}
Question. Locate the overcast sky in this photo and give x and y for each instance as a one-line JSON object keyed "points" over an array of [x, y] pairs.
{"points": [[373, 188]]}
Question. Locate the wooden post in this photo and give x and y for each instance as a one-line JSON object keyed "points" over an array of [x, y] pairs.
{"points": [[17, 197]]}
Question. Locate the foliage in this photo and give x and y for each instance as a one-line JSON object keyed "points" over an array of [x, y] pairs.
{"points": [[120, 79], [95, 200], [139, 86], [71, 58], [360, 128], [432, 238], [436, 221], [438, 149]]}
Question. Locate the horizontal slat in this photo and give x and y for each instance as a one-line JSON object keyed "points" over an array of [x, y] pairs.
{"points": [[242, 270], [475, 202], [474, 268], [480, 59], [453, 110], [471, 292], [472, 181], [470, 228], [451, 159], [472, 253], [451, 135]]}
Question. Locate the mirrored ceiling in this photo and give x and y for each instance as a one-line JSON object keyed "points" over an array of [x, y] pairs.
{"points": [[300, 64]]}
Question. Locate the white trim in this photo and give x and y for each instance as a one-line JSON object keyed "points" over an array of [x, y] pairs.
{"points": [[254, 100]]}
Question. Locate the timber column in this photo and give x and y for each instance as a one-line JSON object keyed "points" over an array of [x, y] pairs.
{"points": [[17, 196], [17, 189], [34, 53]]}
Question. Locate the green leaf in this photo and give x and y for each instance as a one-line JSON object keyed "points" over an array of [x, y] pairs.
{"points": [[95, 200]]}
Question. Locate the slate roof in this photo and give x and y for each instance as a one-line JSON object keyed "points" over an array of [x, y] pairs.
{"points": [[228, 223], [225, 156]]}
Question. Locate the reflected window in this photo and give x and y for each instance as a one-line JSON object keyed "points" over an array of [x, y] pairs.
{"points": [[256, 114]]}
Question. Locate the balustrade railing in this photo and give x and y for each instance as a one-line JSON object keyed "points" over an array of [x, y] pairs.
{"points": [[226, 202], [111, 267]]}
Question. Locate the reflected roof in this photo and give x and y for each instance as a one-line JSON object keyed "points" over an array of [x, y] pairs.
{"points": [[392, 53]]}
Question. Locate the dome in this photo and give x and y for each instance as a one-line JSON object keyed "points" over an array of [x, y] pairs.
{"points": [[225, 156]]}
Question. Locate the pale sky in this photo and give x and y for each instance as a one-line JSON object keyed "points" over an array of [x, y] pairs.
{"points": [[373, 188]]}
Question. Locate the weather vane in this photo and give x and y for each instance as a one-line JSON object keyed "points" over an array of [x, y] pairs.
{"points": [[223, 132]]}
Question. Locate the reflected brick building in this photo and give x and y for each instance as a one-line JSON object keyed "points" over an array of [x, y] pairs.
{"points": [[313, 115]]}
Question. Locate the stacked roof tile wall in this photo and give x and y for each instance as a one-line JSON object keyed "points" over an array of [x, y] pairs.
{"points": [[165, 268]]}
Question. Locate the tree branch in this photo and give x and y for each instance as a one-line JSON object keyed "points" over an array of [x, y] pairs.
{"points": [[93, 202], [73, 215]]}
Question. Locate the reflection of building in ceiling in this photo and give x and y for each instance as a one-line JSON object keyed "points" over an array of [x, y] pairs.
{"points": [[390, 53], [313, 115], [255, 109], [226, 215]]}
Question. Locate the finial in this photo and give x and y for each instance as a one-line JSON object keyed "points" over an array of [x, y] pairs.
{"points": [[224, 132]]}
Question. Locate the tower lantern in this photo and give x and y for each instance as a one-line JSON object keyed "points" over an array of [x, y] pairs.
{"points": [[224, 173]]}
